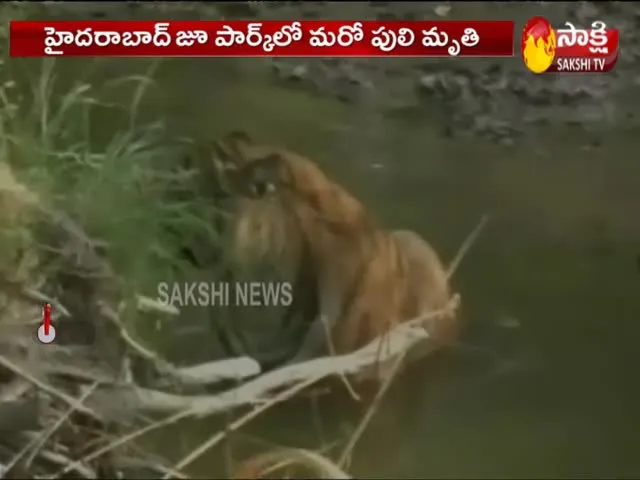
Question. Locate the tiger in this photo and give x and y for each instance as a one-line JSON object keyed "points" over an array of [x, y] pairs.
{"points": [[361, 279]]}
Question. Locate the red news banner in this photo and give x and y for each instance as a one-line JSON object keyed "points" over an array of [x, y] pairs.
{"points": [[266, 38]]}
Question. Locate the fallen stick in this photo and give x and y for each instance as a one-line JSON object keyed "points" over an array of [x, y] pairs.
{"points": [[197, 375], [268, 462], [147, 304], [50, 389], [217, 371], [397, 342], [221, 435]]}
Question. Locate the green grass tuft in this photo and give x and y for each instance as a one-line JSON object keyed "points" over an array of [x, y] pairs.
{"points": [[124, 187]]}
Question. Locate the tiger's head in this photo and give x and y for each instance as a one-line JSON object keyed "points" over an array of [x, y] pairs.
{"points": [[259, 179], [285, 202], [258, 172]]}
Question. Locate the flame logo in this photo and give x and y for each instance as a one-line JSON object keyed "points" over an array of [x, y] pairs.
{"points": [[538, 45]]}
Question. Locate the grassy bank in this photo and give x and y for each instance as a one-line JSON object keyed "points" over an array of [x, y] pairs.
{"points": [[89, 216]]}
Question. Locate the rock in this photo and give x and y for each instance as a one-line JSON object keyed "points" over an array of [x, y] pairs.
{"points": [[299, 72], [442, 10]]}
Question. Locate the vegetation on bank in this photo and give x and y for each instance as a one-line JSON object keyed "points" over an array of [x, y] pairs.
{"points": [[91, 218]]}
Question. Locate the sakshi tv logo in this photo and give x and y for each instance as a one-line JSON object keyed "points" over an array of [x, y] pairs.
{"points": [[568, 50]]}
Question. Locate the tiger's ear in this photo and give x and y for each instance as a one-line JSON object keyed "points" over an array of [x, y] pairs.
{"points": [[216, 162], [230, 152], [239, 138], [235, 147], [222, 155]]}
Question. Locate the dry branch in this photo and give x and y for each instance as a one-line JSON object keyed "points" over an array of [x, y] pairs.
{"points": [[146, 304], [46, 387], [198, 375], [269, 462], [215, 372], [395, 343], [216, 438]]}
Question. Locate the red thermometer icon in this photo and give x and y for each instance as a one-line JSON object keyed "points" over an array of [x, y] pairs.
{"points": [[46, 331]]}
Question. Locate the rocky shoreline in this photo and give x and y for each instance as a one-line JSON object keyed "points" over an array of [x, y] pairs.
{"points": [[494, 98]]}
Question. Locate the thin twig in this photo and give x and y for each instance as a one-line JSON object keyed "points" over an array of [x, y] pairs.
{"points": [[269, 462], [118, 442], [218, 437], [59, 459], [50, 389], [466, 245], [155, 466], [146, 304], [31, 295], [37, 442], [42, 439], [81, 469], [332, 352], [462, 251], [348, 449], [143, 351]]}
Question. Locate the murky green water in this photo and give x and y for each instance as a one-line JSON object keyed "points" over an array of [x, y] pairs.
{"points": [[547, 384]]}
